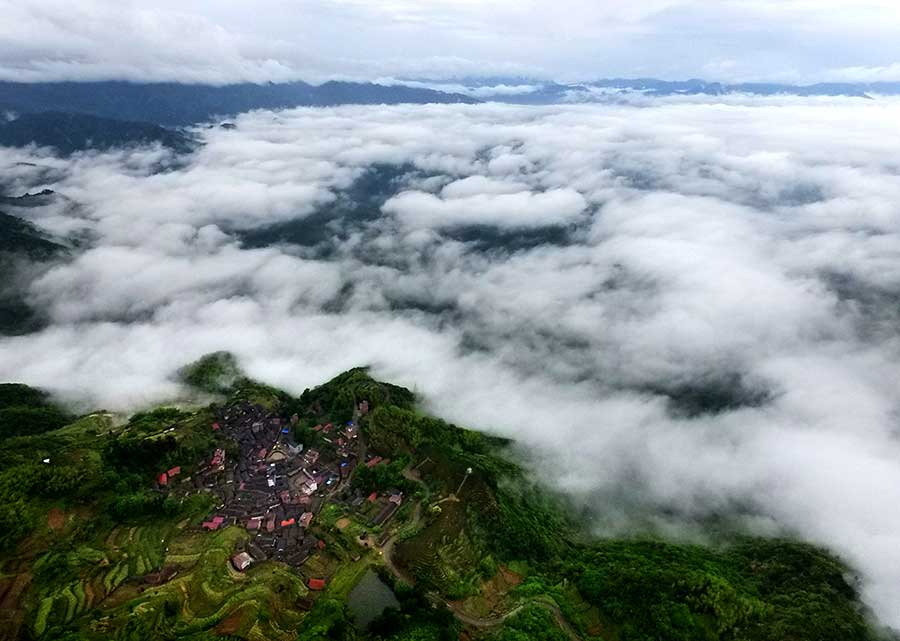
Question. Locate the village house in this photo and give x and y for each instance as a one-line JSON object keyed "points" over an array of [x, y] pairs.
{"points": [[241, 561], [386, 513], [275, 487]]}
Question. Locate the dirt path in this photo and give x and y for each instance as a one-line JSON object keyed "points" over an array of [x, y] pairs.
{"points": [[490, 622], [387, 550], [476, 622]]}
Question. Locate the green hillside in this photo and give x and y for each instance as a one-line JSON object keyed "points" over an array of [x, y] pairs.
{"points": [[98, 543]]}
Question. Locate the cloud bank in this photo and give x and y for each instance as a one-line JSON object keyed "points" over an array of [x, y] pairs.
{"points": [[686, 311], [274, 41]]}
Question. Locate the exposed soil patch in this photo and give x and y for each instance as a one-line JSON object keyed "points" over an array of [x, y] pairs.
{"points": [[342, 523], [511, 578], [56, 519], [231, 624], [492, 597]]}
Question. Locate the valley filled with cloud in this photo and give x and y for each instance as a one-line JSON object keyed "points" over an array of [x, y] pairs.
{"points": [[685, 311]]}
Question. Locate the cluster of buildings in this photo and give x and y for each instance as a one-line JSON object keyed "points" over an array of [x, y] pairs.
{"points": [[272, 486], [378, 508], [275, 488]]}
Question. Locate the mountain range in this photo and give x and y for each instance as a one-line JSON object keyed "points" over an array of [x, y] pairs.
{"points": [[71, 132], [174, 105], [531, 91], [75, 116]]}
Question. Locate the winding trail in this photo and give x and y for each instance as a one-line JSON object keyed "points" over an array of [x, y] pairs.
{"points": [[490, 622], [476, 622]]}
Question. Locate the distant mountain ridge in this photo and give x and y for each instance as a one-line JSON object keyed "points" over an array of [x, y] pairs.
{"points": [[18, 235], [68, 133], [175, 105], [22, 242], [178, 105], [530, 91]]}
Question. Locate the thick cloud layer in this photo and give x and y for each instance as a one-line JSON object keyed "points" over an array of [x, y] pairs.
{"points": [[687, 311], [275, 40]]}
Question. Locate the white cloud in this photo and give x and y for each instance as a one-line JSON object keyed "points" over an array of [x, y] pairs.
{"points": [[879, 73], [515, 210], [704, 243]]}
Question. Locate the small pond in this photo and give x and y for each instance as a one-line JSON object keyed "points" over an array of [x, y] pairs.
{"points": [[370, 598]]}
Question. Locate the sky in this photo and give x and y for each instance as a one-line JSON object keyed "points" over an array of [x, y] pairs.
{"points": [[566, 276], [222, 41]]}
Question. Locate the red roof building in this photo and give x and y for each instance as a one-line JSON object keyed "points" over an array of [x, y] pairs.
{"points": [[218, 457], [316, 584], [374, 461], [215, 427], [163, 479], [211, 525], [175, 471], [373, 497], [288, 522]]}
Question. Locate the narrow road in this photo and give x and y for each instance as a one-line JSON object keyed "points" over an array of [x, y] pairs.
{"points": [[387, 549], [476, 622], [490, 622]]}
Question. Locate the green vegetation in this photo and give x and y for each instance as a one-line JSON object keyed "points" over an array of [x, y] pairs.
{"points": [[337, 398], [25, 410], [533, 622], [99, 552], [382, 477], [757, 589], [215, 373], [417, 618]]}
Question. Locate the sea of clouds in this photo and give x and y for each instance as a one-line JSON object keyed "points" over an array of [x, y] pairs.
{"points": [[566, 276]]}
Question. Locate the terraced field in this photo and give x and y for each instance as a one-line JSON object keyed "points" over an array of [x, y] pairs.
{"points": [[207, 593], [129, 553], [12, 586], [442, 554]]}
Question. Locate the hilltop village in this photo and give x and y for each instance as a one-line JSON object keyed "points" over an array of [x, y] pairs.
{"points": [[274, 487], [269, 516]]}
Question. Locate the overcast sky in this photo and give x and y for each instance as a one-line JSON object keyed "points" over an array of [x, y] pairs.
{"points": [[226, 40]]}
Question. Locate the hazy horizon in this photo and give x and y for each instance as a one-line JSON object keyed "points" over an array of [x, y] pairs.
{"points": [[799, 42]]}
